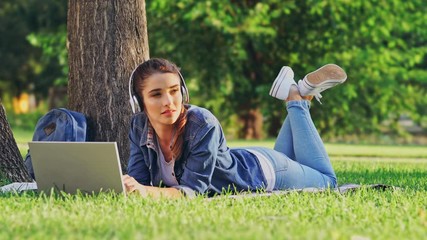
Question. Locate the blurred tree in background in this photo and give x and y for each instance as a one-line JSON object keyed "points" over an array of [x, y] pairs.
{"points": [[32, 49], [230, 52], [33, 54]]}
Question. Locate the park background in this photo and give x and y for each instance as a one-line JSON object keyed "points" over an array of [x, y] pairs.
{"points": [[231, 51]]}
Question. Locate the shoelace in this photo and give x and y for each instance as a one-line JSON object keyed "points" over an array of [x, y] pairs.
{"points": [[318, 96], [315, 92]]}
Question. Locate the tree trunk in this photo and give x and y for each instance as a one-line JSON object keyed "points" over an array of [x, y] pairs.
{"points": [[249, 114], [252, 124], [107, 40], [11, 164]]}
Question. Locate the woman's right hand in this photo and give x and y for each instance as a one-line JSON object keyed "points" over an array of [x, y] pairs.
{"points": [[133, 186]]}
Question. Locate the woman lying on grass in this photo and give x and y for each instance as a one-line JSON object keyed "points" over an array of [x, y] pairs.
{"points": [[179, 149]]}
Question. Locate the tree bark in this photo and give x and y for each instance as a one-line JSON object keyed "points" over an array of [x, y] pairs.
{"points": [[107, 40], [248, 113], [252, 124], [11, 163]]}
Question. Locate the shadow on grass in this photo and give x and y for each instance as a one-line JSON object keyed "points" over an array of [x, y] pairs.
{"points": [[407, 179]]}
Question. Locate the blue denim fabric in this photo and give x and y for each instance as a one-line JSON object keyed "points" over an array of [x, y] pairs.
{"points": [[299, 140], [61, 125], [206, 165], [299, 157], [66, 125]]}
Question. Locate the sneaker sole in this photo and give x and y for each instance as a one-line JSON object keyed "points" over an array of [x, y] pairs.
{"points": [[285, 72], [328, 75]]}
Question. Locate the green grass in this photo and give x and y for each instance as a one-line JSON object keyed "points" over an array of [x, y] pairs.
{"points": [[22, 137], [367, 213], [364, 214], [353, 150]]}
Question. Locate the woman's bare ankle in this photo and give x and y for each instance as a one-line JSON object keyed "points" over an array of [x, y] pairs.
{"points": [[309, 97], [294, 94]]}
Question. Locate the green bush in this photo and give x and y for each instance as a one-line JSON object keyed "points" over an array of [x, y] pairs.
{"points": [[25, 121]]}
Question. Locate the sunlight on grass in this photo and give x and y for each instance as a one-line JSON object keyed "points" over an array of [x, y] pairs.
{"points": [[368, 213], [334, 150], [364, 214], [22, 137], [352, 150]]}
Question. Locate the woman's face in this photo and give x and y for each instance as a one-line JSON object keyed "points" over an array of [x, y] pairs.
{"points": [[162, 98]]}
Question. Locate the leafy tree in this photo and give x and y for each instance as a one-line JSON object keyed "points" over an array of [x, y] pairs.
{"points": [[99, 73], [232, 50], [382, 46], [27, 28]]}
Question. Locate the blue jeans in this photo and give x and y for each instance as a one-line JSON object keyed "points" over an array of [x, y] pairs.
{"points": [[299, 157]]}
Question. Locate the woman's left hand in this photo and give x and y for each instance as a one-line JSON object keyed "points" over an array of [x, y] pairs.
{"points": [[132, 185]]}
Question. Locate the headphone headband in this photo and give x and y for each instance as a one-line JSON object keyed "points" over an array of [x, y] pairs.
{"points": [[134, 99]]}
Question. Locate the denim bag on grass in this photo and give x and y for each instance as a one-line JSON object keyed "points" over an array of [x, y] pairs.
{"points": [[59, 125]]}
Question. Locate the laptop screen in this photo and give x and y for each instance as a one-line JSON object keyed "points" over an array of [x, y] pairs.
{"points": [[88, 167]]}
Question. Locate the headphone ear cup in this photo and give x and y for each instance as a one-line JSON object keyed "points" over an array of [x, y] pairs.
{"points": [[184, 89], [185, 97], [136, 103], [132, 99]]}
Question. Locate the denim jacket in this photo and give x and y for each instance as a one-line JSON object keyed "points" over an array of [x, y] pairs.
{"points": [[206, 166]]}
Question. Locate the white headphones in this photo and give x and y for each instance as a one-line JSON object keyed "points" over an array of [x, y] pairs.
{"points": [[136, 102]]}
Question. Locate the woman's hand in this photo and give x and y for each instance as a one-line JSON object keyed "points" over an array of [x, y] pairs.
{"points": [[132, 185]]}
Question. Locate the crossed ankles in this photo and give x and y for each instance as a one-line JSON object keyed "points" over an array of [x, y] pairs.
{"points": [[310, 86]]}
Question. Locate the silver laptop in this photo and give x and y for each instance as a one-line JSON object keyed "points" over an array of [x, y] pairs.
{"points": [[87, 167]]}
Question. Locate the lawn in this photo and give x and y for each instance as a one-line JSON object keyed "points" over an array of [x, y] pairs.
{"points": [[364, 214], [22, 137]]}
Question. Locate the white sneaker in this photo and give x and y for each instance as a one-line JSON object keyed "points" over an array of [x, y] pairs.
{"points": [[323, 78], [282, 84]]}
